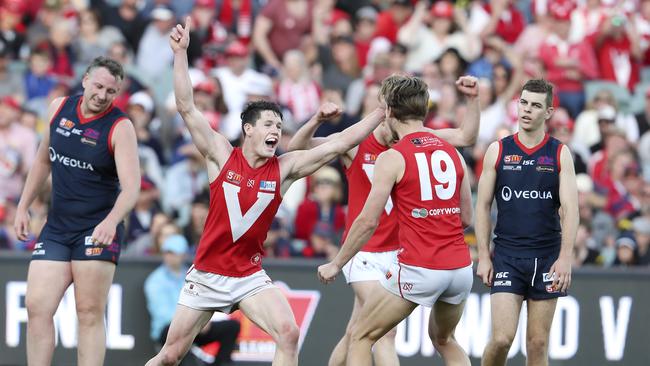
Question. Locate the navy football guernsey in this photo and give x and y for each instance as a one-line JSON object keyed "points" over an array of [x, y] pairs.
{"points": [[85, 184], [527, 195]]}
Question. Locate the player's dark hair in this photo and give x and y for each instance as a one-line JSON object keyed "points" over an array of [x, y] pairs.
{"points": [[540, 86], [407, 96], [113, 67], [253, 110]]}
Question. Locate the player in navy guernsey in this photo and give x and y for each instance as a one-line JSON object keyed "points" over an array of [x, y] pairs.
{"points": [[91, 151], [532, 178]]}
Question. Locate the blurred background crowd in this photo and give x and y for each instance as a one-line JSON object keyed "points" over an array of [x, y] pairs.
{"points": [[301, 53]]}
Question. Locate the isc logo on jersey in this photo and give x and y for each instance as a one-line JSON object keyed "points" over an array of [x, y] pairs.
{"points": [[507, 193]]}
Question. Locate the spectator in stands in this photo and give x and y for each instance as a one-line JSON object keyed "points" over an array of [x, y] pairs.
{"points": [[625, 250], [618, 50], [59, 45], [94, 39], [126, 17], [150, 149], [339, 62], [198, 215], [279, 28], [428, 33], [622, 185], [149, 243], [17, 149], [141, 218], [584, 252], [568, 63], [154, 55], [560, 126], [392, 19], [297, 90], [498, 17], [11, 29], [364, 32], [322, 208], [11, 83], [641, 229], [38, 79], [161, 290]]}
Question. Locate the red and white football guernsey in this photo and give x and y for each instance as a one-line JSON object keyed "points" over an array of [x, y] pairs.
{"points": [[243, 203], [427, 200], [359, 176]]}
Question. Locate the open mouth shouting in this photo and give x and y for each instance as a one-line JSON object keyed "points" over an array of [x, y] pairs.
{"points": [[271, 142]]}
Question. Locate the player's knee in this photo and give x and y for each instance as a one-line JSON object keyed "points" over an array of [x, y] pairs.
{"points": [[89, 313], [390, 335], [440, 340], [289, 334], [536, 346], [502, 342], [37, 310]]}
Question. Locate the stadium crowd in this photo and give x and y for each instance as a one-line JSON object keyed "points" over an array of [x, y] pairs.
{"points": [[302, 53]]}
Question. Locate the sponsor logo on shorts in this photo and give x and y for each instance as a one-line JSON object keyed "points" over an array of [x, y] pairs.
{"points": [[547, 277], [502, 275], [407, 286], [502, 283], [38, 249], [267, 185], [189, 290], [512, 159], [256, 258], [233, 177], [423, 213], [93, 252], [88, 240], [551, 289]]}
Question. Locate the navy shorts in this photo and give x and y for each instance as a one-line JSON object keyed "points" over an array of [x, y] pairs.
{"points": [[56, 245], [528, 277]]}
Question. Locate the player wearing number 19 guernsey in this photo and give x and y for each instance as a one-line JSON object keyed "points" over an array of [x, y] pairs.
{"points": [[427, 180]]}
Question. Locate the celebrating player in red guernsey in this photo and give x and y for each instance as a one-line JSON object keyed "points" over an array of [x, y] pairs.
{"points": [[246, 188], [430, 189], [370, 265]]}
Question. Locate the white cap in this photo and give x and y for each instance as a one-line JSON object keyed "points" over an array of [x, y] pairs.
{"points": [[260, 85], [162, 13], [607, 113], [142, 99]]}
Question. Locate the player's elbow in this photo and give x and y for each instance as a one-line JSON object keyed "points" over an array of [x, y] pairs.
{"points": [[367, 224], [466, 218]]}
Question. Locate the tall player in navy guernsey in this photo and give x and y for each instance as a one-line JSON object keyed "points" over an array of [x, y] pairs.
{"points": [[91, 150], [246, 188], [531, 175], [370, 265], [427, 179]]}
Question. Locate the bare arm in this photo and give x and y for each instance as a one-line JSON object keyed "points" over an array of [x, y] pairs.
{"points": [[407, 34], [36, 177], [389, 166], [483, 226], [466, 134], [297, 164], [125, 147], [304, 138], [261, 31], [498, 7], [569, 220], [212, 145], [466, 210]]}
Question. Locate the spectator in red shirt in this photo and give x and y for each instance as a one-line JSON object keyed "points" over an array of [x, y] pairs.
{"points": [[390, 20], [505, 20], [567, 63], [618, 50]]}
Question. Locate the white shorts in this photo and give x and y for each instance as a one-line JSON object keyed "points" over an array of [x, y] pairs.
{"points": [[368, 266], [425, 286], [214, 292]]}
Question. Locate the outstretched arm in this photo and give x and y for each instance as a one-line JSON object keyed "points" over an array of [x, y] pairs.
{"points": [[388, 168], [298, 164], [466, 134], [304, 138], [214, 146]]}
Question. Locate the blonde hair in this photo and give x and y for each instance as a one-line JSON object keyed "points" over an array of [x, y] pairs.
{"points": [[406, 96]]}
